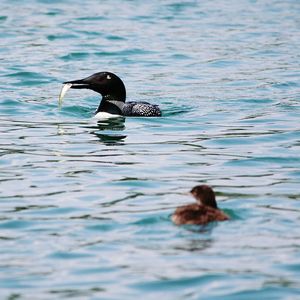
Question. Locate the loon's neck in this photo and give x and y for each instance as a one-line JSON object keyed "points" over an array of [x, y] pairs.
{"points": [[111, 106]]}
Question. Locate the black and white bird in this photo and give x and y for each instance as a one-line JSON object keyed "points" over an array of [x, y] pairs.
{"points": [[113, 92]]}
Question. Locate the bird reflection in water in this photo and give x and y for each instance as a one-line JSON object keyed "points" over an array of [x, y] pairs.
{"points": [[108, 131], [194, 245]]}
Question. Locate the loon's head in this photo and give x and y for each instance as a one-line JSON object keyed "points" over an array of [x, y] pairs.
{"points": [[109, 85], [204, 195]]}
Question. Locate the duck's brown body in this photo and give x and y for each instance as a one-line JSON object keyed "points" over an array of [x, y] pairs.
{"points": [[197, 214], [202, 212]]}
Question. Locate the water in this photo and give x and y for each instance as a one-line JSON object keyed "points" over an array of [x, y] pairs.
{"points": [[85, 206]]}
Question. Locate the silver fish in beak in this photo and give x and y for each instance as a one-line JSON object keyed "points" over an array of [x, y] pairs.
{"points": [[63, 91]]}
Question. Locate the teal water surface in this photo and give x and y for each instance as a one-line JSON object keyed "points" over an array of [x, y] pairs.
{"points": [[85, 206]]}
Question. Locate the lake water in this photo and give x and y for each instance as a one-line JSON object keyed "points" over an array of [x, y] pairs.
{"points": [[85, 206]]}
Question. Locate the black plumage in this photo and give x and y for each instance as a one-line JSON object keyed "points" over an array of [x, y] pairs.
{"points": [[113, 92]]}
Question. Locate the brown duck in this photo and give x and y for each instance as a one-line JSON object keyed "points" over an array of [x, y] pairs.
{"points": [[202, 212]]}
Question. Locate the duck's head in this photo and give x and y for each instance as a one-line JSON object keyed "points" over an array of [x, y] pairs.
{"points": [[109, 85], [204, 195]]}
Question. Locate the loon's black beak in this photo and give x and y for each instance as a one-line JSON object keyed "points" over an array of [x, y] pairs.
{"points": [[78, 84], [75, 84]]}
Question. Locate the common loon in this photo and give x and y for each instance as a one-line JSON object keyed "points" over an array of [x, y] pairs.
{"points": [[202, 212], [113, 92]]}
